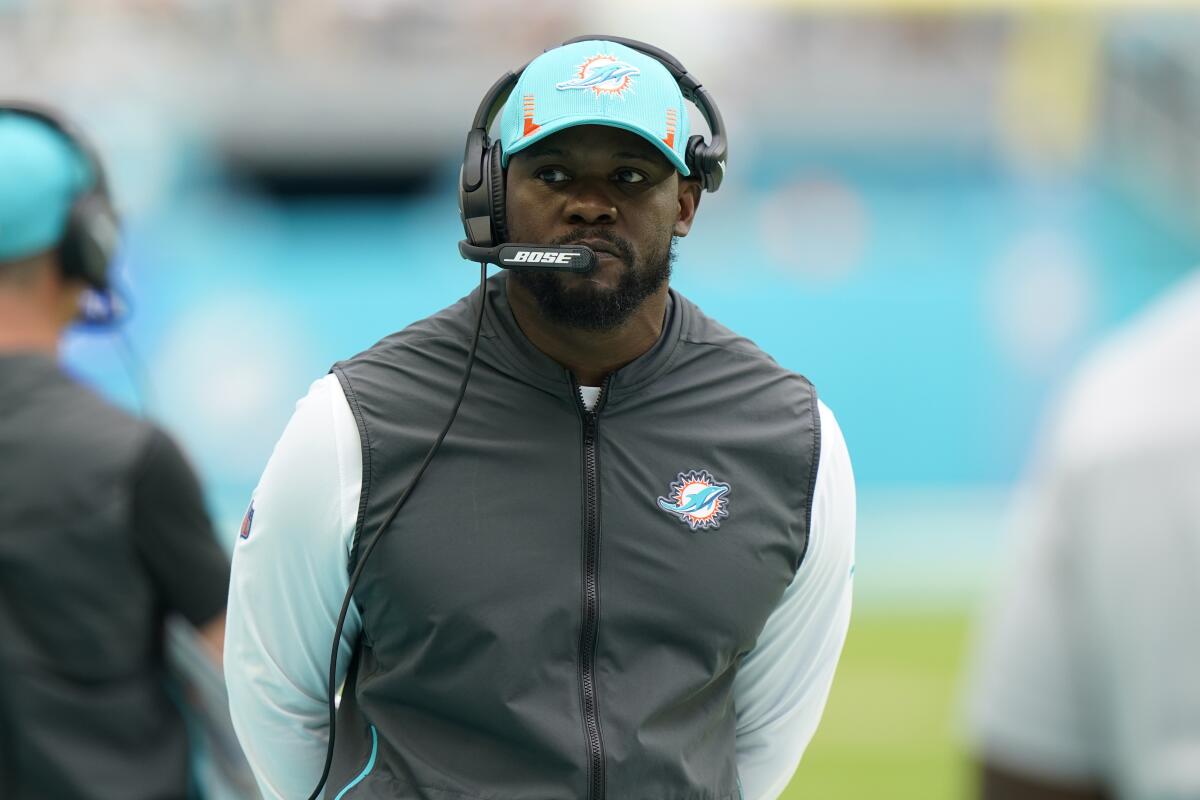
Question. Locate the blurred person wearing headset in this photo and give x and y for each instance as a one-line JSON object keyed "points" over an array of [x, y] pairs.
{"points": [[626, 573], [103, 530], [1087, 681]]}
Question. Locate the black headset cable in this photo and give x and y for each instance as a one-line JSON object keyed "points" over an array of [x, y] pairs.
{"points": [[135, 368], [374, 540]]}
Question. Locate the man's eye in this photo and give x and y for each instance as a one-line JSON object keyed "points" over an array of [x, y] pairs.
{"points": [[551, 175], [630, 176]]}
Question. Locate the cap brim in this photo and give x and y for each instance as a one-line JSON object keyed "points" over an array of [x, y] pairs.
{"points": [[561, 123]]}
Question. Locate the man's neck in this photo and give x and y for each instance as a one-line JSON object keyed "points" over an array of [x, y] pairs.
{"points": [[590, 355], [25, 329]]}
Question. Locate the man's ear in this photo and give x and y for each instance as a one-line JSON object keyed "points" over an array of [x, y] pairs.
{"points": [[689, 201], [69, 297]]}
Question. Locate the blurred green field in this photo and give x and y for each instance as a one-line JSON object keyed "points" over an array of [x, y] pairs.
{"points": [[890, 729]]}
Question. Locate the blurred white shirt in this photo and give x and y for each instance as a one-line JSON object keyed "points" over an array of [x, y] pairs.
{"points": [[1089, 665]]}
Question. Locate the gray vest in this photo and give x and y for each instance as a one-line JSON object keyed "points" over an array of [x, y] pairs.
{"points": [[84, 710], [560, 609]]}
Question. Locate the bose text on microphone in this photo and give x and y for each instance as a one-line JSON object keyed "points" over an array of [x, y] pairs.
{"points": [[563, 258]]}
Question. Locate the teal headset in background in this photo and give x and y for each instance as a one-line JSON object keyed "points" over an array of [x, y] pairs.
{"points": [[88, 244]]}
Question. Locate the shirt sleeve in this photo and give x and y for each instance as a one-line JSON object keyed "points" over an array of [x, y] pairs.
{"points": [[289, 579], [1087, 669], [1025, 707], [174, 535], [781, 688]]}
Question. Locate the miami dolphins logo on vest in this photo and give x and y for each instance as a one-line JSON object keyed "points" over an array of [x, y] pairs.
{"points": [[698, 499], [603, 74]]}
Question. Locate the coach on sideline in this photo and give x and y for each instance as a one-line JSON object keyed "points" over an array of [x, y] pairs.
{"points": [[102, 526], [627, 572]]}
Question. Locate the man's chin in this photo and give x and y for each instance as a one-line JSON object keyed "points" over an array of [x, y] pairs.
{"points": [[601, 299], [576, 300], [604, 278]]}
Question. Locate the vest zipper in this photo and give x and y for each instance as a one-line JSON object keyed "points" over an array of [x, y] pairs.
{"points": [[591, 594]]}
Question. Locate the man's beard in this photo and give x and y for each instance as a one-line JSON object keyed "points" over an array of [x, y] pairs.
{"points": [[587, 307]]}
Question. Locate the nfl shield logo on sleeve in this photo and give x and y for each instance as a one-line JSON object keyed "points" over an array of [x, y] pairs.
{"points": [[247, 522]]}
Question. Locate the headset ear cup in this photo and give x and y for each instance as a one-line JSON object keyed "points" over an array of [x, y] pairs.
{"points": [[89, 242], [475, 205], [695, 159], [499, 211], [68, 247]]}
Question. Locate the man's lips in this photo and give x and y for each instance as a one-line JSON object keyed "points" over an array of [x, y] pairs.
{"points": [[600, 246]]}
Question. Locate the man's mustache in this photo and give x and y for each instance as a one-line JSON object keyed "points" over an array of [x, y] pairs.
{"points": [[623, 249]]}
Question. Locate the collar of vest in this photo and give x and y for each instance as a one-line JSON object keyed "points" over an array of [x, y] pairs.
{"points": [[539, 369], [21, 370], [28, 359]]}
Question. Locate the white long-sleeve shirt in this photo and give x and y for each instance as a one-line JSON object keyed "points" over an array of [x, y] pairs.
{"points": [[290, 576]]}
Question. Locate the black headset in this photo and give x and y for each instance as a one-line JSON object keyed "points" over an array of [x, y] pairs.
{"points": [[91, 236], [482, 183]]}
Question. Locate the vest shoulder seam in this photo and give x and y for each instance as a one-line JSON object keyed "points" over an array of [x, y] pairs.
{"points": [[815, 406], [403, 340], [365, 455], [748, 354]]}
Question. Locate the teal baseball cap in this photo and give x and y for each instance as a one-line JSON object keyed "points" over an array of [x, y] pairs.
{"points": [[41, 174], [596, 83]]}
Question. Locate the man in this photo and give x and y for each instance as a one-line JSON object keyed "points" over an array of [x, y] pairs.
{"points": [[103, 530], [627, 571], [1086, 685]]}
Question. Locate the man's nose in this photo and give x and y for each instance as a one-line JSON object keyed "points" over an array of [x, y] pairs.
{"points": [[590, 204]]}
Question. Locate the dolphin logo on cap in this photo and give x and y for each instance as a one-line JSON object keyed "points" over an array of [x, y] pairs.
{"points": [[603, 74]]}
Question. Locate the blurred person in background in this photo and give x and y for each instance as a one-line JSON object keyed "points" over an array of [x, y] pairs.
{"points": [[103, 530], [628, 571], [1088, 679]]}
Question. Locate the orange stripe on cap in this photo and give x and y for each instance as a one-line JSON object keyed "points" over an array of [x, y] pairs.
{"points": [[530, 127], [672, 116]]}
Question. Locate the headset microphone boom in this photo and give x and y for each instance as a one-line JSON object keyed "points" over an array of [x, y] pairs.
{"points": [[564, 258]]}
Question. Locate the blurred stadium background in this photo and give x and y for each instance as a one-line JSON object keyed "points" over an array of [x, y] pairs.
{"points": [[933, 208]]}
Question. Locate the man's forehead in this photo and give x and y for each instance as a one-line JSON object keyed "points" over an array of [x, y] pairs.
{"points": [[594, 140]]}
